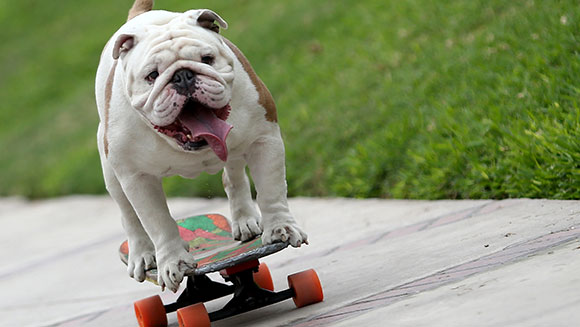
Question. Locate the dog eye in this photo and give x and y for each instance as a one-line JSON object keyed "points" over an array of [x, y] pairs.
{"points": [[208, 60], [152, 76]]}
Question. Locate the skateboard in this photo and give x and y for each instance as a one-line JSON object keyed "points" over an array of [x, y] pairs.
{"points": [[212, 245]]}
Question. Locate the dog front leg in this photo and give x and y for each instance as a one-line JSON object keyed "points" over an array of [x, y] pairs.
{"points": [[142, 250], [267, 166], [145, 192]]}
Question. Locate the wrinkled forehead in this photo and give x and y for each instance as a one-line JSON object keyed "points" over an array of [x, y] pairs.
{"points": [[176, 36], [178, 39], [186, 43]]}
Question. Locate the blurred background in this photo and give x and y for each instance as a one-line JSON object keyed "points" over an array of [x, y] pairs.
{"points": [[376, 98]]}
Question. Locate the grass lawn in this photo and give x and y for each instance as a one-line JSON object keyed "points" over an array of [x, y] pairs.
{"points": [[376, 98]]}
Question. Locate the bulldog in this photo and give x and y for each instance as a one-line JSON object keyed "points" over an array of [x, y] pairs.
{"points": [[177, 98]]}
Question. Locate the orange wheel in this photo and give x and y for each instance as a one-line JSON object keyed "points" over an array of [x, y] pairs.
{"points": [[193, 316], [150, 312], [263, 277], [307, 288]]}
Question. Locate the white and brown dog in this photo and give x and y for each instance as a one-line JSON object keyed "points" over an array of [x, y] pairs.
{"points": [[177, 98]]}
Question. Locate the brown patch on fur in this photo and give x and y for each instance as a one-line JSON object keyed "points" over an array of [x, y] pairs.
{"points": [[265, 100], [139, 7], [108, 95]]}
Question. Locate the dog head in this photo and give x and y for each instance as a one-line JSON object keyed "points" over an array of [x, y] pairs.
{"points": [[178, 74]]}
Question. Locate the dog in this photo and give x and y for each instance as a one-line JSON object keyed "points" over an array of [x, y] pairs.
{"points": [[175, 97]]}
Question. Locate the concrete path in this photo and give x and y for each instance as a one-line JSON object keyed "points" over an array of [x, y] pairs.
{"points": [[381, 263]]}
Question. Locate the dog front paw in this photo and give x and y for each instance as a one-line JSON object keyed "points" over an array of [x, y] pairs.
{"points": [[245, 228], [284, 231], [173, 262], [141, 258]]}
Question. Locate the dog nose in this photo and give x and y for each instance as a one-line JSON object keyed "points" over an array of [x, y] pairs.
{"points": [[183, 81]]}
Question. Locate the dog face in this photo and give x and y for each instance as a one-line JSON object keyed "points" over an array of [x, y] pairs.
{"points": [[179, 76]]}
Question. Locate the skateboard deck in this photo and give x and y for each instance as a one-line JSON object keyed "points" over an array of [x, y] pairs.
{"points": [[212, 245]]}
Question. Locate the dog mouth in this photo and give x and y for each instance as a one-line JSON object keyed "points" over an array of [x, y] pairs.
{"points": [[197, 127]]}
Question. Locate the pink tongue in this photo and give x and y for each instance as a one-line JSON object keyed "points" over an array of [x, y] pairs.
{"points": [[202, 122]]}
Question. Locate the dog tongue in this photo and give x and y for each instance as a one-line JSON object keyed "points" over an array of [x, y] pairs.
{"points": [[202, 122]]}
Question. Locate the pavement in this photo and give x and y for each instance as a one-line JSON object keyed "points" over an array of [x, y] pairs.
{"points": [[381, 263]]}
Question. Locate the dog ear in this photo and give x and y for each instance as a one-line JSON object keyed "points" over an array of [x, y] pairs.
{"points": [[139, 7], [207, 19], [124, 43]]}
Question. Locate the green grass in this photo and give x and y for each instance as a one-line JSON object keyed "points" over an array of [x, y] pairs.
{"points": [[376, 98]]}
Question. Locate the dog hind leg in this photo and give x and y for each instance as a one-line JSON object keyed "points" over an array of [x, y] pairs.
{"points": [[267, 166], [245, 217]]}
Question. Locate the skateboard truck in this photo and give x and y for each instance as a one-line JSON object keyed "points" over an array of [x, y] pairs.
{"points": [[251, 287]]}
